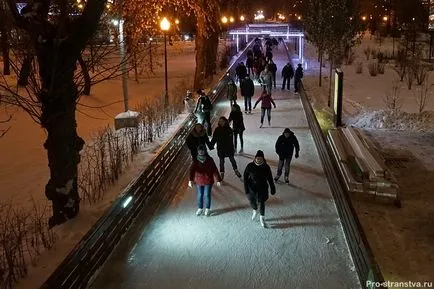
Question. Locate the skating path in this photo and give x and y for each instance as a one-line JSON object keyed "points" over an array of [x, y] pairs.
{"points": [[304, 246]]}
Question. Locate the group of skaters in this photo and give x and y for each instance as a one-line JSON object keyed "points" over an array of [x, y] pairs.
{"points": [[257, 175]]}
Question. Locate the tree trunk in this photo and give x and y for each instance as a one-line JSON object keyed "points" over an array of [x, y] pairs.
{"points": [[26, 67], [320, 69], [211, 45], [5, 48], [63, 146], [330, 81], [86, 76], [199, 76]]}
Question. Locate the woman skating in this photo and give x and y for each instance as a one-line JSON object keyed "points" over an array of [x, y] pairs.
{"points": [[236, 116], [266, 102]]}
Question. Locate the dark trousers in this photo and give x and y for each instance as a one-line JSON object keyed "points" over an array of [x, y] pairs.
{"points": [[232, 101], [263, 114], [236, 134], [284, 161], [296, 84], [274, 79], [253, 199], [250, 70], [222, 163], [248, 103], [287, 81], [207, 120]]}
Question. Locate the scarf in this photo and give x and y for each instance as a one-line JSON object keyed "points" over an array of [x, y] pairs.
{"points": [[258, 164], [201, 158]]}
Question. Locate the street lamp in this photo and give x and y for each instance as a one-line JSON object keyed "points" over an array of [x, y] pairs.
{"points": [[242, 18], [231, 19], [165, 26], [224, 20], [176, 21]]}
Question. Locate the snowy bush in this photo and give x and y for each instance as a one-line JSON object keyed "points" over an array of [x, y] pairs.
{"points": [[359, 67], [380, 57], [373, 68], [401, 63], [423, 97], [374, 53], [351, 56], [409, 77], [393, 99], [367, 52], [420, 72], [381, 67]]}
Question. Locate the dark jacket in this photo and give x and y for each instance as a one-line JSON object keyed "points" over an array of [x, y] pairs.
{"points": [[194, 140], [238, 123], [241, 71], [249, 61], [298, 73], [223, 136], [201, 104], [204, 173], [247, 87], [285, 146], [288, 71], [273, 68], [257, 179]]}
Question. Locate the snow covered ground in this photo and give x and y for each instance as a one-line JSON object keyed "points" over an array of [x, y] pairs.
{"points": [[304, 246], [401, 239], [22, 156]]}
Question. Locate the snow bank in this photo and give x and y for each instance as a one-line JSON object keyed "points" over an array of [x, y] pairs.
{"points": [[388, 119]]}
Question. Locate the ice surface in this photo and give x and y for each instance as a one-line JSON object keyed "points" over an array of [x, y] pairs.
{"points": [[304, 246], [127, 114]]}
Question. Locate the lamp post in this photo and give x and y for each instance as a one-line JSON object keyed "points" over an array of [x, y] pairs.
{"points": [[165, 26]]}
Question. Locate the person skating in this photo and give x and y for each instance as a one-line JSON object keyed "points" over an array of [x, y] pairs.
{"points": [[232, 92], [204, 108], [266, 79], [241, 71], [257, 179], [249, 63], [247, 91], [285, 145], [236, 116], [287, 74], [273, 70], [266, 102], [197, 137], [223, 136], [298, 75], [203, 171]]}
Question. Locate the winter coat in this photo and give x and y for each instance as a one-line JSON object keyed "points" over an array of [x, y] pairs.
{"points": [[285, 146], [241, 71], [232, 91], [249, 61], [288, 71], [204, 173], [257, 179], [223, 136], [237, 117], [194, 140], [298, 73], [266, 100], [247, 87], [266, 78], [201, 104], [273, 68]]}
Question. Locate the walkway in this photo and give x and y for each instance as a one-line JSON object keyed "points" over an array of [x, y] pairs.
{"points": [[304, 246]]}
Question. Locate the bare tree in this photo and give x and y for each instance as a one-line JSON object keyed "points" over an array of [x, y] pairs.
{"points": [[424, 96], [393, 98], [57, 46]]}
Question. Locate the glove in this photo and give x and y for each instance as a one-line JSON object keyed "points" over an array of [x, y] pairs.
{"points": [[219, 184], [190, 184], [296, 155]]}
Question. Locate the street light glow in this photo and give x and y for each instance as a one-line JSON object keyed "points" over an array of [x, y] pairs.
{"points": [[242, 18], [176, 21], [80, 6], [165, 24], [231, 19], [385, 18], [299, 17], [364, 18], [224, 19], [115, 22]]}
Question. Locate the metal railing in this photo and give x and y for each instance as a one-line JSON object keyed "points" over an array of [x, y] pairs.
{"points": [[96, 246], [364, 261]]}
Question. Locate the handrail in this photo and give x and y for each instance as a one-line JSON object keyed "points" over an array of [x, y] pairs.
{"points": [[363, 258], [95, 247]]}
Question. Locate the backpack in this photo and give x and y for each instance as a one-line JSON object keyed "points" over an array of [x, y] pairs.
{"points": [[206, 103]]}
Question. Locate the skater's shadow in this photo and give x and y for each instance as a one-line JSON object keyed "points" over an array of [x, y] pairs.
{"points": [[317, 194], [307, 170], [302, 221], [228, 210]]}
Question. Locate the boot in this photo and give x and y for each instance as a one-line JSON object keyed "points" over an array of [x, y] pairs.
{"points": [[287, 180], [262, 221], [254, 214], [276, 178], [222, 174], [241, 151], [207, 212], [237, 173], [199, 212]]}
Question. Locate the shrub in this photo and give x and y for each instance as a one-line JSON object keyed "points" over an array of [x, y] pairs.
{"points": [[381, 67], [359, 67], [367, 52], [373, 68]]}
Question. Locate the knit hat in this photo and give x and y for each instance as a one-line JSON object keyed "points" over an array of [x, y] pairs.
{"points": [[201, 147], [259, 154], [287, 130]]}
